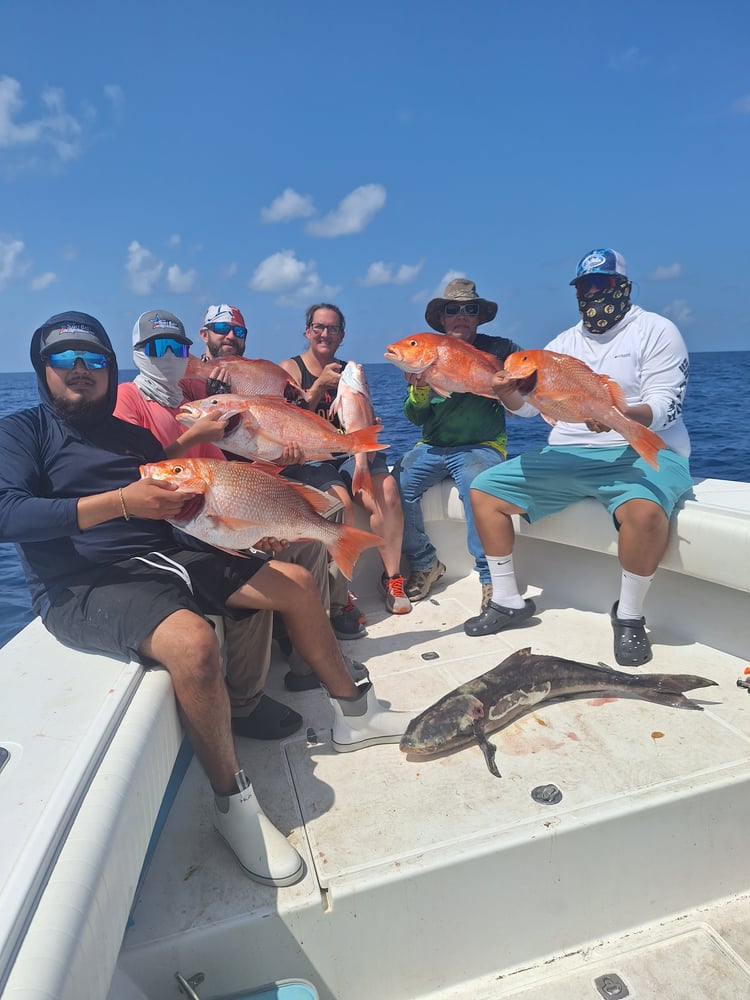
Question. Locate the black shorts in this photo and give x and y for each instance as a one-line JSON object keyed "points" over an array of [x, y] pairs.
{"points": [[113, 609]]}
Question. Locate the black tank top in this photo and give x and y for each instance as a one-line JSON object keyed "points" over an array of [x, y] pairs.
{"points": [[323, 407]]}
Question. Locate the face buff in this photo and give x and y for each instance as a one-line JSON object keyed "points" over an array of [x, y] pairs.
{"points": [[606, 308]]}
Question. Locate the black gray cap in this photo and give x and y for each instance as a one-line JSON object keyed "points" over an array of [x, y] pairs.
{"points": [[72, 333], [158, 323]]}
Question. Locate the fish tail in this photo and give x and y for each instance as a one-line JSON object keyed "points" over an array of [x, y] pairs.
{"points": [[646, 443], [364, 440], [667, 689], [362, 480], [348, 545]]}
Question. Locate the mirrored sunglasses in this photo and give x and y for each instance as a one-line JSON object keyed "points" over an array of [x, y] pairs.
{"points": [[157, 347], [223, 329], [595, 283], [454, 308], [67, 359]]}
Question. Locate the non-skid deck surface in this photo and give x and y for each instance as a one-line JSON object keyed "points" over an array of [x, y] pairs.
{"points": [[377, 808]]}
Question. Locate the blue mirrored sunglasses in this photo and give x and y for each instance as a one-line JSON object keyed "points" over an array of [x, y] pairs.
{"points": [[157, 347], [225, 328], [67, 359]]}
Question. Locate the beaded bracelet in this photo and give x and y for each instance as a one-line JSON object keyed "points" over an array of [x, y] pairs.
{"points": [[122, 504]]}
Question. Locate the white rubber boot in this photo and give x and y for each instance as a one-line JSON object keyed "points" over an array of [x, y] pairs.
{"points": [[366, 722], [261, 849]]}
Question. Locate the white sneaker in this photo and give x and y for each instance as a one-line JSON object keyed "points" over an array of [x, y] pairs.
{"points": [[261, 849], [375, 723]]}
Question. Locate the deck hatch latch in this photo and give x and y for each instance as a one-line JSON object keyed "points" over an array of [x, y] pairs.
{"points": [[548, 795], [611, 987]]}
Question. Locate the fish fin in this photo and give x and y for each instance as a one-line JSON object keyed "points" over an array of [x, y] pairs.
{"points": [[348, 545], [646, 442], [488, 749], [321, 503], [362, 480], [667, 689], [364, 440], [616, 392]]}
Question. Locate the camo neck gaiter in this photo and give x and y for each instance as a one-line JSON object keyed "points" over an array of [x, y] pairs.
{"points": [[606, 308]]}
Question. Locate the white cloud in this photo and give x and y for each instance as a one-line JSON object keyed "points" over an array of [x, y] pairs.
{"points": [[666, 271], [448, 276], [380, 273], [174, 240], [69, 251], [625, 60], [57, 129], [43, 281], [289, 205], [178, 280], [281, 272], [352, 213], [229, 271], [12, 264], [114, 93], [143, 267], [679, 312], [311, 290]]}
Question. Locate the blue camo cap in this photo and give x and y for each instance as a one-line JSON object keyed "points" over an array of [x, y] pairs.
{"points": [[601, 262]]}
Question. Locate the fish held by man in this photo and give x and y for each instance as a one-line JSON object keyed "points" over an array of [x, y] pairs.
{"points": [[520, 684], [353, 407], [259, 427], [236, 504], [447, 364], [564, 388], [250, 376]]}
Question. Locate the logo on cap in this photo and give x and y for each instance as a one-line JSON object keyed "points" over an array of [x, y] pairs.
{"points": [[593, 260], [73, 328], [157, 323]]}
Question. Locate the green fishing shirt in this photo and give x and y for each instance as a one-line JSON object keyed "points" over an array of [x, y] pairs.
{"points": [[462, 418]]}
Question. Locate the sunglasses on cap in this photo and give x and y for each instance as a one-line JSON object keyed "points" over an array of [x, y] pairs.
{"points": [[454, 308], [224, 329], [157, 347], [67, 359]]}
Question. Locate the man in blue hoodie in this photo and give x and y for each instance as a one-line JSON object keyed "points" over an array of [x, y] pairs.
{"points": [[107, 574]]}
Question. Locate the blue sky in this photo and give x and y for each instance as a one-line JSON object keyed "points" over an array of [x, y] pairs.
{"points": [[173, 155]]}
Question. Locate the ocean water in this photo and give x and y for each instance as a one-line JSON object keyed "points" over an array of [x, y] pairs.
{"points": [[716, 414]]}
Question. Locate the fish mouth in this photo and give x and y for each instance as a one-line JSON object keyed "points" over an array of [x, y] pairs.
{"points": [[527, 384]]}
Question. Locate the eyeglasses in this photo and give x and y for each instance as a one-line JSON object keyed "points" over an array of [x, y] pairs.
{"points": [[157, 347], [454, 308], [224, 329], [595, 283], [67, 359], [333, 328]]}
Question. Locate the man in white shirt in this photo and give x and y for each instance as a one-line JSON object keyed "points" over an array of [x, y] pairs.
{"points": [[646, 355]]}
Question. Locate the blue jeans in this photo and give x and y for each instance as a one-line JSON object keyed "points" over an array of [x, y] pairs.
{"points": [[421, 468]]}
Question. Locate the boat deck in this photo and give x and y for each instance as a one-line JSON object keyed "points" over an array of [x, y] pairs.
{"points": [[433, 878]]}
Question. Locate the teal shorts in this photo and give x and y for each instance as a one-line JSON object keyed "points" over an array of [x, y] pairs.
{"points": [[545, 482]]}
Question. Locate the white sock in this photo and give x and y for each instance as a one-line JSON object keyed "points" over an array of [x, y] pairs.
{"points": [[633, 590], [504, 585]]}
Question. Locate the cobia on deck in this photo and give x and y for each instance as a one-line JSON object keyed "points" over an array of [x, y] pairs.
{"points": [[425, 877]]}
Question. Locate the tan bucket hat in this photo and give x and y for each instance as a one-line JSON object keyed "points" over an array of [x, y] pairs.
{"points": [[459, 290]]}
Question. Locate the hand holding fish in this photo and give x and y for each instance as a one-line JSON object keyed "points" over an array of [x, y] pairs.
{"points": [[271, 546], [291, 454], [156, 500], [505, 387]]}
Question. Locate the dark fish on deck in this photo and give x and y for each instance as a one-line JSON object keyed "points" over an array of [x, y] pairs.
{"points": [[520, 684]]}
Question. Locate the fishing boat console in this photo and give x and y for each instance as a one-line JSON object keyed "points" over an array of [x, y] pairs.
{"points": [[611, 854]]}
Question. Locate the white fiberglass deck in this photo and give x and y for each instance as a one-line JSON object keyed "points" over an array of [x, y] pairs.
{"points": [[432, 878]]}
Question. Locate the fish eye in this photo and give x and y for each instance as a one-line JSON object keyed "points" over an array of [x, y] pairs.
{"points": [[412, 343], [177, 468]]}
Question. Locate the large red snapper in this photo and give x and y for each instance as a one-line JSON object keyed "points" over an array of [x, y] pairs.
{"points": [[446, 363], [259, 427], [238, 504], [353, 408], [564, 388], [249, 376]]}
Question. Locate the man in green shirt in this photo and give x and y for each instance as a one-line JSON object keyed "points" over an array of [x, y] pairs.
{"points": [[462, 435]]}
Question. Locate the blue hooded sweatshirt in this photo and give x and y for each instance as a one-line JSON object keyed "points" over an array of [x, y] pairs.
{"points": [[46, 465]]}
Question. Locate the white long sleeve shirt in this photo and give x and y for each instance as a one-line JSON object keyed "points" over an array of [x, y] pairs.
{"points": [[646, 355]]}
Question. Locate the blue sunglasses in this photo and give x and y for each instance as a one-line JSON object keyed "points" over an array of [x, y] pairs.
{"points": [[225, 328], [157, 347], [67, 359]]}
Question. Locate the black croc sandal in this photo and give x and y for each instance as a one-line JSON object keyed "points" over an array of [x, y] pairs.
{"points": [[632, 647], [494, 618]]}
